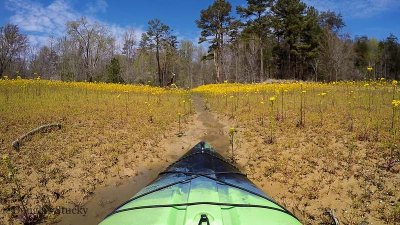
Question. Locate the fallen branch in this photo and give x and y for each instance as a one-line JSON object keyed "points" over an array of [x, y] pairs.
{"points": [[331, 214], [45, 128]]}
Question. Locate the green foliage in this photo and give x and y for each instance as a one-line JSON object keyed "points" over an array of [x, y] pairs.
{"points": [[361, 49], [216, 23], [297, 29], [311, 36], [257, 17], [114, 72], [159, 38], [288, 21], [390, 57], [331, 21]]}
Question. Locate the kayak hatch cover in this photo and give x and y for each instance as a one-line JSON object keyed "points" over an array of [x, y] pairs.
{"points": [[200, 188]]}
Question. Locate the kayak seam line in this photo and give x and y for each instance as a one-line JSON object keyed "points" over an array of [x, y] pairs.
{"points": [[201, 174], [201, 203], [152, 191], [215, 179], [251, 192]]}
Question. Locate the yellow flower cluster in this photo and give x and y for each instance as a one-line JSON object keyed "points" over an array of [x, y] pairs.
{"points": [[95, 86], [396, 103], [228, 89]]}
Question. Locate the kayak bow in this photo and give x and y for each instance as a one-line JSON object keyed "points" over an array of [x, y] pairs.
{"points": [[201, 188]]}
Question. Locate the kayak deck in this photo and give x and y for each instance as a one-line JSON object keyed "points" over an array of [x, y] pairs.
{"points": [[201, 186]]}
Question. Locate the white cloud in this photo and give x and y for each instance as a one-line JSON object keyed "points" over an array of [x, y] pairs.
{"points": [[33, 17], [97, 6], [356, 8], [40, 21]]}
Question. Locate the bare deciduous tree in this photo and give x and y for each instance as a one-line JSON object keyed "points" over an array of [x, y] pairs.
{"points": [[93, 42], [12, 44]]}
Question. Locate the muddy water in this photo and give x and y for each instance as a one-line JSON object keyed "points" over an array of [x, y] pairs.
{"points": [[216, 131], [107, 198], [205, 126]]}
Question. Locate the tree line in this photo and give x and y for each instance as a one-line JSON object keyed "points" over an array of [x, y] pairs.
{"points": [[265, 39]]}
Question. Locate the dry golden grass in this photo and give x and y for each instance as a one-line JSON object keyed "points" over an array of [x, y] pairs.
{"points": [[314, 146], [108, 130], [310, 146]]}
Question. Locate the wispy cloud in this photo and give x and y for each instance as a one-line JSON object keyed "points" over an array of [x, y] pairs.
{"points": [[356, 8], [41, 22], [97, 6], [34, 17]]}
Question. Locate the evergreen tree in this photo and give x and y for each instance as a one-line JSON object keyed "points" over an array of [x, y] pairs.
{"points": [[309, 48], [215, 22], [361, 50], [331, 21], [114, 72], [390, 51], [158, 37], [288, 22], [257, 21]]}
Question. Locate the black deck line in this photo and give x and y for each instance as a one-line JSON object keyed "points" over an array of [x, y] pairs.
{"points": [[201, 203]]}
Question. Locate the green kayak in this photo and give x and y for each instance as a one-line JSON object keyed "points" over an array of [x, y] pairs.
{"points": [[200, 188]]}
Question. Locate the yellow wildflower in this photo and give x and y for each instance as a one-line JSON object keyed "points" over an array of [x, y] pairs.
{"points": [[5, 157], [272, 99], [396, 103]]}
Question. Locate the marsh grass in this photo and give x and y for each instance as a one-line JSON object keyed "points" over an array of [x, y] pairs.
{"points": [[101, 134], [337, 150]]}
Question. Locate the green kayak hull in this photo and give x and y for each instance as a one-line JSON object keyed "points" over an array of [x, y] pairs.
{"points": [[202, 187]]}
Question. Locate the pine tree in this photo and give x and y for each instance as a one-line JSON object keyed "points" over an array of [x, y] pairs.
{"points": [[257, 22], [390, 49], [288, 22], [215, 22], [331, 21], [114, 72], [310, 42], [159, 36]]}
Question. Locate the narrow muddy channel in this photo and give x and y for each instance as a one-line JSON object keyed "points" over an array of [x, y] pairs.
{"points": [[204, 126]]}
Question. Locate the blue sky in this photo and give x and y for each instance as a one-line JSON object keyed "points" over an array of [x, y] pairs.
{"points": [[42, 18]]}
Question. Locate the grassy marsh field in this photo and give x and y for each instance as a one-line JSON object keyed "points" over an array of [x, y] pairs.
{"points": [[310, 146], [318, 146], [108, 131]]}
